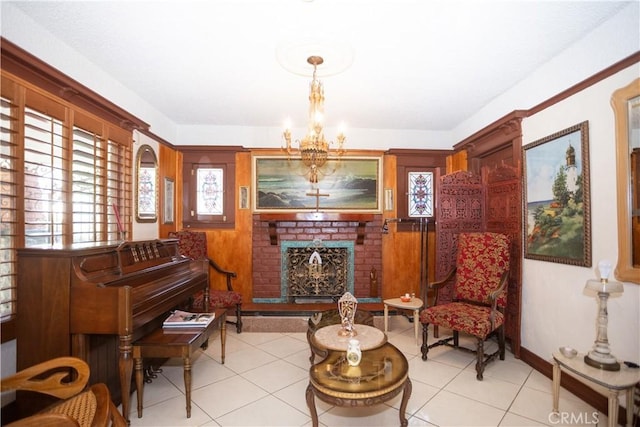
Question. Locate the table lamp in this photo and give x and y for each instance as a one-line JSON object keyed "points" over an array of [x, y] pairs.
{"points": [[600, 356]]}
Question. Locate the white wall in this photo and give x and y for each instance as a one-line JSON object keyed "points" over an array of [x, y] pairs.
{"points": [[357, 139], [613, 40], [556, 310], [24, 32]]}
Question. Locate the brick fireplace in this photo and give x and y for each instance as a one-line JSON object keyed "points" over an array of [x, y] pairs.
{"points": [[362, 232]]}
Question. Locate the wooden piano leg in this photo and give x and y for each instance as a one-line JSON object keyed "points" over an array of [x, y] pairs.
{"points": [[125, 368]]}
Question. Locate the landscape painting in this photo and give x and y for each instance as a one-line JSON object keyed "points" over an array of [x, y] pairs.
{"points": [[348, 184], [557, 198]]}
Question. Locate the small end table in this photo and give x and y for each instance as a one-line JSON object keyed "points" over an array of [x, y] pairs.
{"points": [[414, 304], [623, 380]]}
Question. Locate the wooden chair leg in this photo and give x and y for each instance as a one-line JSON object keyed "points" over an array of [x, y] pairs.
{"points": [[239, 318], [479, 359], [425, 346], [501, 340], [238, 321]]}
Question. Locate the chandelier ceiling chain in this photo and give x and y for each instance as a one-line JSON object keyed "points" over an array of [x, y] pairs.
{"points": [[314, 148]]}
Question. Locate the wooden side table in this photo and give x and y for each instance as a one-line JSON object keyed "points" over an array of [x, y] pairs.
{"points": [[414, 304], [381, 375], [616, 382], [176, 342]]}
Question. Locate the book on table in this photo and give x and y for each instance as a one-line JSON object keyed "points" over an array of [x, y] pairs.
{"points": [[186, 319]]}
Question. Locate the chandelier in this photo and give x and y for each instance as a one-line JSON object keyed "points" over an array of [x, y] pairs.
{"points": [[314, 148]]}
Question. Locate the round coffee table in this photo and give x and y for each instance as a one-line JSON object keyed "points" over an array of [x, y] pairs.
{"points": [[326, 318], [330, 338], [381, 375]]}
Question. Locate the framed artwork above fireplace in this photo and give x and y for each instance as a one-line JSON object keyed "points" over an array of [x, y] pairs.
{"points": [[348, 184]]}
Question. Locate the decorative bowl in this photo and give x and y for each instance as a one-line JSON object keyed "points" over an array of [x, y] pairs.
{"points": [[405, 299], [568, 352]]}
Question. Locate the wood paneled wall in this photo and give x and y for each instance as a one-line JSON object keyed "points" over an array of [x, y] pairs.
{"points": [[232, 248]]}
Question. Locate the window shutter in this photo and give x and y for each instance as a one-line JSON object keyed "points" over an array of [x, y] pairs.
{"points": [[45, 192], [8, 205]]}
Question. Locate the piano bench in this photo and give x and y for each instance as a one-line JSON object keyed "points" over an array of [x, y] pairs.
{"points": [[176, 342]]}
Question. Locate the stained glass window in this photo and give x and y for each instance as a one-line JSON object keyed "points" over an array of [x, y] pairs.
{"points": [[147, 191], [420, 194], [210, 191]]}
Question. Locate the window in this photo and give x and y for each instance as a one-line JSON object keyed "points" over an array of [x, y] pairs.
{"points": [[420, 194], [209, 190], [44, 190], [8, 212], [65, 165], [209, 186], [62, 170]]}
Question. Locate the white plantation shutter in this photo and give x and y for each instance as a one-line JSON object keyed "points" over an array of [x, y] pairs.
{"points": [[62, 172]]}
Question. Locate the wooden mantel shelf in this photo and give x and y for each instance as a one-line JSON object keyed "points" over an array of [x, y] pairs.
{"points": [[274, 218]]}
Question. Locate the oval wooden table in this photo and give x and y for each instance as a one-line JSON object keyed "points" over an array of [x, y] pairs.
{"points": [[381, 375]]}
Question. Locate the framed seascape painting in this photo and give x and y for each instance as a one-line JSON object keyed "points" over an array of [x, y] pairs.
{"points": [[557, 198], [348, 184]]}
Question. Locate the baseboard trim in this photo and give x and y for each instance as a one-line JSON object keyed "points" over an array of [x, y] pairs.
{"points": [[573, 385]]}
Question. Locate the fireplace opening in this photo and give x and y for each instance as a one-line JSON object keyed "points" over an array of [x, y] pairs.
{"points": [[316, 272]]}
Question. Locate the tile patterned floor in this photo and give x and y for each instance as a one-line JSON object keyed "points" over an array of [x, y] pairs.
{"points": [[264, 378]]}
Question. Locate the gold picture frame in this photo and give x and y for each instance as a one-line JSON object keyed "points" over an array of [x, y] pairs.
{"points": [[557, 200], [347, 184]]}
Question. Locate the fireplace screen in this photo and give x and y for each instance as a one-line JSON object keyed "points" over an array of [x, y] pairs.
{"points": [[316, 273]]}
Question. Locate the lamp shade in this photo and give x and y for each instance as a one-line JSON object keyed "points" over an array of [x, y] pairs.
{"points": [[604, 286]]}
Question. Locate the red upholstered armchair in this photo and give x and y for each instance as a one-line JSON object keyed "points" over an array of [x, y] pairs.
{"points": [[193, 244], [479, 297]]}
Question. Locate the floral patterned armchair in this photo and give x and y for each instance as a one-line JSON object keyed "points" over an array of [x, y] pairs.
{"points": [[480, 296], [193, 244]]}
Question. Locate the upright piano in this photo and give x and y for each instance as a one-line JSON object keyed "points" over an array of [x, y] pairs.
{"points": [[93, 300]]}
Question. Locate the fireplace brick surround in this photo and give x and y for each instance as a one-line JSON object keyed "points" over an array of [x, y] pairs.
{"points": [[267, 256]]}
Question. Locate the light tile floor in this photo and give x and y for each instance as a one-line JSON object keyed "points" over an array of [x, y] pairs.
{"points": [[264, 378]]}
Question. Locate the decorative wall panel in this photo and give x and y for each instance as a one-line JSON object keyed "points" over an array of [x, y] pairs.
{"points": [[461, 207], [503, 215]]}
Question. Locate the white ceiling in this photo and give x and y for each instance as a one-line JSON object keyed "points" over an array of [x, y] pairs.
{"points": [[422, 64]]}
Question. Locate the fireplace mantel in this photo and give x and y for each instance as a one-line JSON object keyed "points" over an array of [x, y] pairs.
{"points": [[274, 218]]}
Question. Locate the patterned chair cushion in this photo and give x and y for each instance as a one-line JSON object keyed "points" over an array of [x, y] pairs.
{"points": [[218, 299], [462, 317], [481, 260], [191, 244]]}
